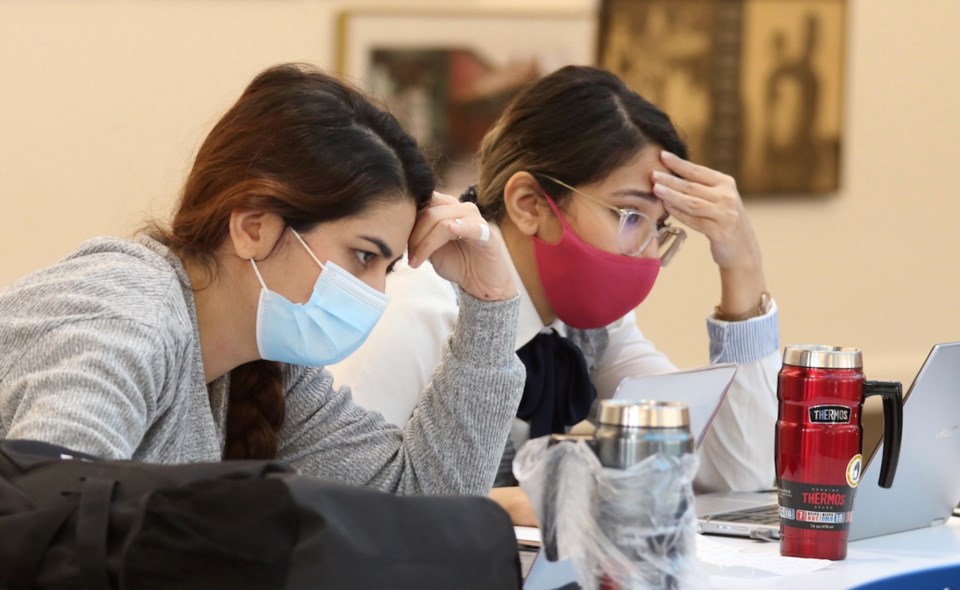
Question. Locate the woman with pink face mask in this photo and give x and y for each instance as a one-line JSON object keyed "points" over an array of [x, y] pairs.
{"points": [[581, 177]]}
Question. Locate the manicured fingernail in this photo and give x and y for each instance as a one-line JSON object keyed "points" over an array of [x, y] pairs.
{"points": [[667, 154], [658, 189], [659, 175], [413, 261]]}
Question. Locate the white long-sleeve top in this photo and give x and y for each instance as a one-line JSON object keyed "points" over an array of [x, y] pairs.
{"points": [[398, 359]]}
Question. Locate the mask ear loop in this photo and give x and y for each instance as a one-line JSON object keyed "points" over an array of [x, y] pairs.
{"points": [[307, 248], [257, 271], [556, 211]]}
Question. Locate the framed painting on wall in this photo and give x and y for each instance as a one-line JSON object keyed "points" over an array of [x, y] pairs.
{"points": [[447, 74], [756, 86]]}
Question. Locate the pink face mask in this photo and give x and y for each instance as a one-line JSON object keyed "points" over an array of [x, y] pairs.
{"points": [[587, 287]]}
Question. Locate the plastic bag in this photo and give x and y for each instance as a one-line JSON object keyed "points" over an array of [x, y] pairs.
{"points": [[635, 527]]}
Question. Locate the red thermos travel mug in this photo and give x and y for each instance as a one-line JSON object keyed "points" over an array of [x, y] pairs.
{"points": [[819, 445]]}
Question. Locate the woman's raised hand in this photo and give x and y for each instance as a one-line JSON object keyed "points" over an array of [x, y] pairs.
{"points": [[461, 248], [708, 201]]}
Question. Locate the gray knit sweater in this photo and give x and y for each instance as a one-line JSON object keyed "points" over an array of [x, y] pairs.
{"points": [[101, 353]]}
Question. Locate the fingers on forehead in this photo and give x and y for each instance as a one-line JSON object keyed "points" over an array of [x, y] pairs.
{"points": [[695, 172]]}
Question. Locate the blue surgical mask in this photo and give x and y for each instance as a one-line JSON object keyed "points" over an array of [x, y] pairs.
{"points": [[335, 321]]}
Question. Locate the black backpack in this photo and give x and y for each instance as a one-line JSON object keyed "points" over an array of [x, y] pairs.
{"points": [[68, 520]]}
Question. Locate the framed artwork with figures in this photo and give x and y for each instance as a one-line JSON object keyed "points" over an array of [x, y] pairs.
{"points": [[756, 86], [447, 74]]}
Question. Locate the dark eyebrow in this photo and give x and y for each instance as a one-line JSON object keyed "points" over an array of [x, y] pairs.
{"points": [[385, 250]]}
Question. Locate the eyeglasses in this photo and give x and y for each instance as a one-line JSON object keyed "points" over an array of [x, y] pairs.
{"points": [[636, 229]]}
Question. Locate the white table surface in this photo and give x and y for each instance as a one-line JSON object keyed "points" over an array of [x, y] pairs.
{"points": [[867, 560]]}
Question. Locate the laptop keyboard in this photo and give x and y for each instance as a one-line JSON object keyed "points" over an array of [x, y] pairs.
{"points": [[760, 515]]}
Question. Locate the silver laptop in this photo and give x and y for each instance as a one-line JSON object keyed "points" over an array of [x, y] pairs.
{"points": [[926, 488], [702, 389]]}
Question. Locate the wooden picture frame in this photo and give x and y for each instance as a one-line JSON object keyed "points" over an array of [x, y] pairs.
{"points": [[756, 86], [447, 74]]}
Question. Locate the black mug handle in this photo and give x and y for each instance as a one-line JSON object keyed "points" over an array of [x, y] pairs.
{"points": [[892, 394]]}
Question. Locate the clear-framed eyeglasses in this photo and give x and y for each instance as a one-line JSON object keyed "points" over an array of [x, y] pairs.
{"points": [[637, 229]]}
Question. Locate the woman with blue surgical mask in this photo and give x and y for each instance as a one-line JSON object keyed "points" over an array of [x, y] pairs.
{"points": [[205, 338], [591, 188]]}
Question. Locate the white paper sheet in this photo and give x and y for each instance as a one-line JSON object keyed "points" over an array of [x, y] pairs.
{"points": [[717, 559], [723, 556]]}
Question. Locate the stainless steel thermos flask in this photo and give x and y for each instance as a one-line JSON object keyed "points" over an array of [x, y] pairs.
{"points": [[628, 433], [641, 511]]}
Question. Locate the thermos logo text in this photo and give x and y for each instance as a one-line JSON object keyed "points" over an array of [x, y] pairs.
{"points": [[830, 415], [824, 498]]}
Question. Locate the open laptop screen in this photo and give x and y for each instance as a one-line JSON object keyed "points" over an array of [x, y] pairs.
{"points": [[702, 389]]}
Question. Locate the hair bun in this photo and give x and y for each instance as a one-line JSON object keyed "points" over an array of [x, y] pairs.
{"points": [[469, 195]]}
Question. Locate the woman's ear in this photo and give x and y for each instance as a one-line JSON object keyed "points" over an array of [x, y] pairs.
{"points": [[524, 205], [254, 234]]}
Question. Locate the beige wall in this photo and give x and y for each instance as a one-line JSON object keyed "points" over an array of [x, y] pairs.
{"points": [[103, 103]]}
